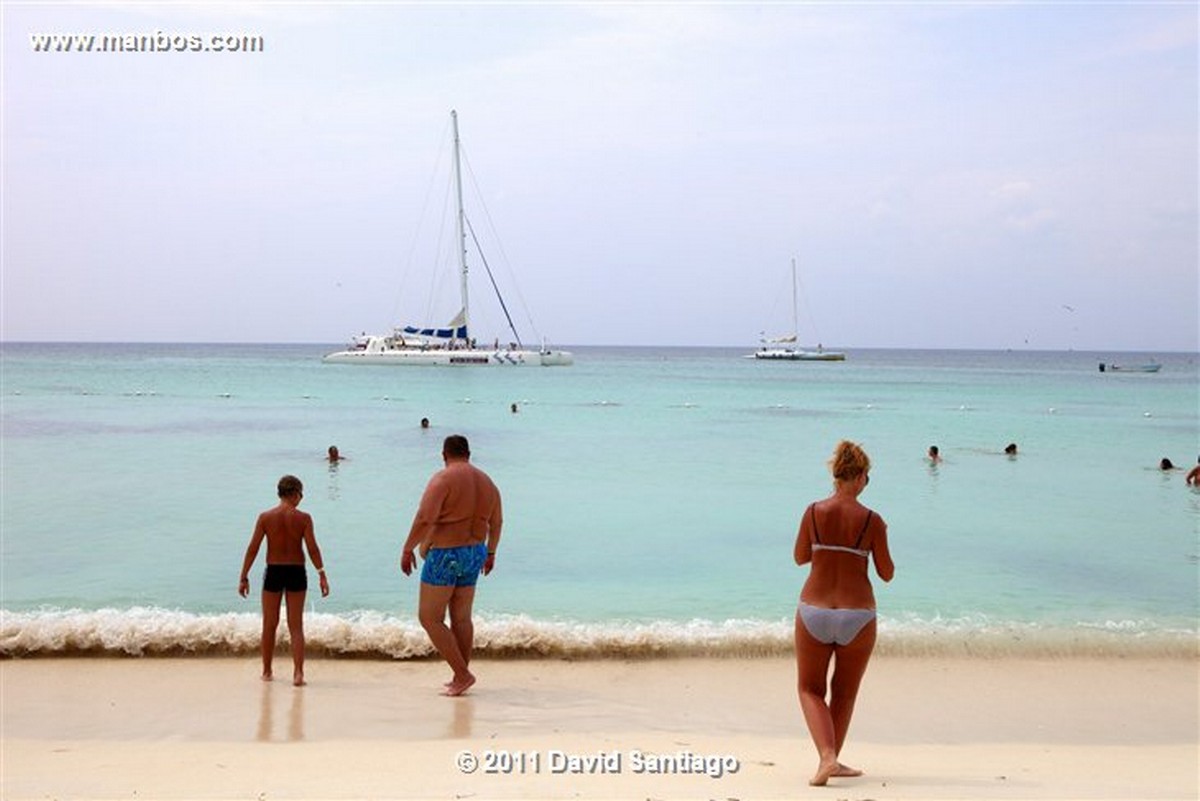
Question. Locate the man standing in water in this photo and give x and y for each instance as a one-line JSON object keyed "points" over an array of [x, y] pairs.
{"points": [[457, 528], [288, 532]]}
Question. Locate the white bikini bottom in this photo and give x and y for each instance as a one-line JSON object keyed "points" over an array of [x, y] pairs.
{"points": [[832, 626]]}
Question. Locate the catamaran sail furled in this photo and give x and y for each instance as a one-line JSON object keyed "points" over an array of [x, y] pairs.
{"points": [[452, 344]]}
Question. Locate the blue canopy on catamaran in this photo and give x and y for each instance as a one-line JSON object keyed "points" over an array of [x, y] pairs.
{"points": [[455, 329], [437, 333]]}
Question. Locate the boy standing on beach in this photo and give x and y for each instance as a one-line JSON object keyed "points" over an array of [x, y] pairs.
{"points": [[457, 528], [288, 532]]}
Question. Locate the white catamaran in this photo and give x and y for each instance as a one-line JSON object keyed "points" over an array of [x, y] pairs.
{"points": [[451, 344], [783, 348]]}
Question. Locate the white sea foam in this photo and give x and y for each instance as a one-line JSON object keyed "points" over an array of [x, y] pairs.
{"points": [[144, 631]]}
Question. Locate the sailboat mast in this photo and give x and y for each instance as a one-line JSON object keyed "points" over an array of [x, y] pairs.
{"points": [[462, 228], [795, 321]]}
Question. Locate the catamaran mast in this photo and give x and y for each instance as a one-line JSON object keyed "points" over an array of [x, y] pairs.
{"points": [[462, 228], [795, 321]]}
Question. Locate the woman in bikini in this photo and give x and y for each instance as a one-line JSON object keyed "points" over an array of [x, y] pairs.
{"points": [[835, 621]]}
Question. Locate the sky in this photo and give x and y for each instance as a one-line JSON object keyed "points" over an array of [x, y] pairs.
{"points": [[945, 175]]}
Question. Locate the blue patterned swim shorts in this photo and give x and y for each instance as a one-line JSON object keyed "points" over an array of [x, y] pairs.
{"points": [[454, 567]]}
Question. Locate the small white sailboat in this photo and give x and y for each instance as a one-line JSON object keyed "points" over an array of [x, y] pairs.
{"points": [[451, 344], [783, 348]]}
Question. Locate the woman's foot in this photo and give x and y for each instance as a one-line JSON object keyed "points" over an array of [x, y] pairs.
{"points": [[459, 686], [825, 770]]}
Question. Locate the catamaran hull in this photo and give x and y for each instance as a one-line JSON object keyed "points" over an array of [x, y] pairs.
{"points": [[453, 358], [798, 356]]}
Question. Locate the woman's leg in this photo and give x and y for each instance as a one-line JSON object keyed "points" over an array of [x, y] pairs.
{"points": [[812, 668], [850, 664]]}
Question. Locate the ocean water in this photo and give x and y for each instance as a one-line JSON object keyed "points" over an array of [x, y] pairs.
{"points": [[651, 497]]}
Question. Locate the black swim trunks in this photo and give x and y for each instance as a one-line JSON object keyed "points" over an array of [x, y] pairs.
{"points": [[285, 578]]}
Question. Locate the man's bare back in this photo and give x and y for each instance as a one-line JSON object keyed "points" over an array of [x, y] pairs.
{"points": [[460, 506]]}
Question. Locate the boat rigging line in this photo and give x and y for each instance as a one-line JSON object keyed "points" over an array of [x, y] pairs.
{"points": [[492, 278]]}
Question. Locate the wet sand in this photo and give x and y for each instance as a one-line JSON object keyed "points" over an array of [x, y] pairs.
{"points": [[208, 728]]}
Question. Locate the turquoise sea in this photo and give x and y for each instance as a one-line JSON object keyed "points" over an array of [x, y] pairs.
{"points": [[651, 496]]}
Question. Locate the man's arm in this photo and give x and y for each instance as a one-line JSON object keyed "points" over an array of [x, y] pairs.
{"points": [[495, 523], [431, 501], [416, 533]]}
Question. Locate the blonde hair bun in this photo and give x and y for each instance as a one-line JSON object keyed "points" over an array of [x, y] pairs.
{"points": [[849, 461]]}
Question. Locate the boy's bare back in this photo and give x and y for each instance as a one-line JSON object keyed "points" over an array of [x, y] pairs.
{"points": [[285, 528]]}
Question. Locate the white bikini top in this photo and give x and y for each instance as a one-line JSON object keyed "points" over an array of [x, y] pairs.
{"points": [[819, 546], [856, 551]]}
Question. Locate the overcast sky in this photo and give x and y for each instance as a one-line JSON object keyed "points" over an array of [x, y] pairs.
{"points": [[946, 175]]}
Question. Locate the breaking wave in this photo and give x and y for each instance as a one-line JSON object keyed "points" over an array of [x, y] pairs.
{"points": [[142, 631]]}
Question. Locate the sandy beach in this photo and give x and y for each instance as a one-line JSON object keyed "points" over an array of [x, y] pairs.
{"points": [[175, 728]]}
